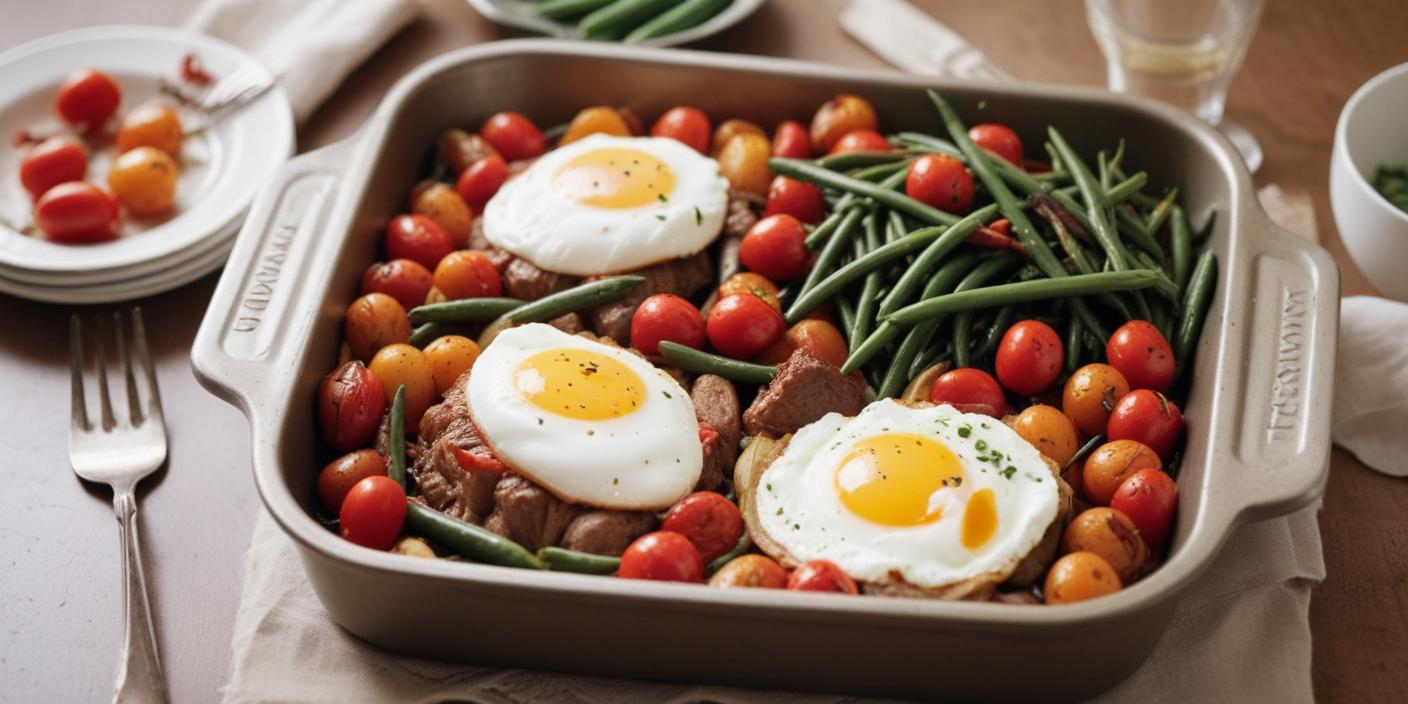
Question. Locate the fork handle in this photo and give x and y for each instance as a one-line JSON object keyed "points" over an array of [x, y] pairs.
{"points": [[139, 676]]}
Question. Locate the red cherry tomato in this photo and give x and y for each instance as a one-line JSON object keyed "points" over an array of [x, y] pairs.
{"points": [[351, 401], [971, 391], [481, 180], [662, 555], [1029, 357], [710, 521], [1148, 497], [821, 576], [799, 199], [87, 98], [741, 325], [941, 181], [686, 124], [373, 513], [861, 141], [402, 279], [666, 316], [52, 162], [998, 139], [792, 141], [1149, 417], [776, 248], [76, 213], [514, 136], [1142, 355], [418, 238]]}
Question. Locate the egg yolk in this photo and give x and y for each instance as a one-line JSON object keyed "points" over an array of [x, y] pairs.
{"points": [[615, 179], [579, 384], [979, 519], [894, 479]]}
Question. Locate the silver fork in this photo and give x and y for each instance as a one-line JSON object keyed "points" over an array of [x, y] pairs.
{"points": [[228, 94], [119, 453]]}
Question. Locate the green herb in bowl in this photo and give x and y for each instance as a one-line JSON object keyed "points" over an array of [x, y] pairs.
{"points": [[1392, 183]]}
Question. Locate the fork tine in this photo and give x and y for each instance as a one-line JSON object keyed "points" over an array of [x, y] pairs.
{"points": [[75, 356], [226, 86], [134, 407], [139, 343], [102, 362]]}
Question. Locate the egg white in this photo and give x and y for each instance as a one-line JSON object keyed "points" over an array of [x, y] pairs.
{"points": [[646, 459]]}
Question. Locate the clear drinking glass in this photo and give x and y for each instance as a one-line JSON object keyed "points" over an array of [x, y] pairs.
{"points": [[1182, 52]]}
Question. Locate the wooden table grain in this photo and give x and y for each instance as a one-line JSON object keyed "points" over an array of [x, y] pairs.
{"points": [[60, 625]]}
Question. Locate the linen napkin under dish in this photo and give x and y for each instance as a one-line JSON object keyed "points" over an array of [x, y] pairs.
{"points": [[309, 45], [1371, 383]]}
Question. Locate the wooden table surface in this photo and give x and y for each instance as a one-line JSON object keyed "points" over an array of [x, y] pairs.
{"points": [[60, 608]]}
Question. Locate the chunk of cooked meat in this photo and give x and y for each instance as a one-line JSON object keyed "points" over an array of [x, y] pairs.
{"points": [[522, 279], [606, 532], [459, 149], [570, 323], [528, 514], [446, 431], [682, 277], [716, 403], [741, 214], [805, 389]]}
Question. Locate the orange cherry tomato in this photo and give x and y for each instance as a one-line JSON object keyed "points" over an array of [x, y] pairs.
{"points": [[450, 356], [1110, 464], [144, 181], [818, 337], [843, 113], [1090, 395], [1079, 576], [1049, 431], [752, 283], [343, 473], [151, 125], [750, 572], [685, 124], [595, 120], [467, 273]]}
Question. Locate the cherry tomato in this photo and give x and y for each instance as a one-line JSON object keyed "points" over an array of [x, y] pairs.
{"points": [[1110, 464], [799, 199], [685, 124], [728, 129], [467, 273], [481, 181], [791, 141], [450, 356], [1142, 355], [971, 391], [751, 282], [662, 555], [1090, 394], [595, 120], [1149, 417], [52, 162], [816, 336], [742, 325], [750, 572], [1148, 497], [861, 141], [776, 248], [373, 322], [418, 238], [343, 473], [998, 139], [821, 576], [1029, 357], [76, 213], [514, 136], [373, 512], [350, 402], [1049, 431], [843, 113], [400, 364], [1079, 576], [666, 316], [940, 181], [743, 160], [151, 125], [405, 280], [440, 202], [87, 98], [144, 181], [710, 521]]}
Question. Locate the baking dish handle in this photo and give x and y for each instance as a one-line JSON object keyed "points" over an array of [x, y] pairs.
{"points": [[1284, 353], [249, 330]]}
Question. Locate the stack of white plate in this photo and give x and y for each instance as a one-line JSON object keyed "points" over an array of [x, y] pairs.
{"points": [[222, 168]]}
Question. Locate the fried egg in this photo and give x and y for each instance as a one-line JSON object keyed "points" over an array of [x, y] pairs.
{"points": [[922, 496], [608, 204], [592, 423]]}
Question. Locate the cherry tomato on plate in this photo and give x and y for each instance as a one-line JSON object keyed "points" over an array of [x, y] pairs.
{"points": [[662, 555], [373, 512], [144, 181], [1148, 497], [1029, 357], [821, 576], [710, 521], [1149, 417], [971, 391], [1142, 355], [151, 125], [87, 98], [752, 283], [799, 199], [666, 316], [861, 141], [742, 325], [343, 473], [418, 238], [481, 180], [998, 139], [685, 124], [791, 141], [514, 136], [51, 162], [405, 280], [76, 213], [940, 181], [776, 248], [467, 273]]}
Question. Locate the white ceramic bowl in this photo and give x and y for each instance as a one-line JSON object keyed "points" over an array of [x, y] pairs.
{"points": [[1373, 130]]}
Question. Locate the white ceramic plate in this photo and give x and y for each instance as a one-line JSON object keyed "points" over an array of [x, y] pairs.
{"points": [[222, 169], [520, 14]]}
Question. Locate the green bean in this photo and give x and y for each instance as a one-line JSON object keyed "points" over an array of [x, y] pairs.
{"points": [[895, 227], [1085, 450], [846, 311], [1095, 200], [563, 10], [468, 310], [1201, 287], [1073, 332], [692, 360], [744, 542], [847, 161], [929, 142], [882, 173], [1133, 228], [426, 333], [822, 232], [1026, 292], [1104, 171], [995, 331], [1161, 212], [468, 540], [856, 268], [1180, 244], [807, 171], [944, 279], [930, 356], [909, 281], [1123, 190], [396, 437], [991, 268], [580, 297], [826, 259], [870, 291], [896, 377], [564, 560], [687, 14], [615, 20]]}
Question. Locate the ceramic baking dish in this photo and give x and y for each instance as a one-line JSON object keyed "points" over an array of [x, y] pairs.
{"points": [[1258, 416]]}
